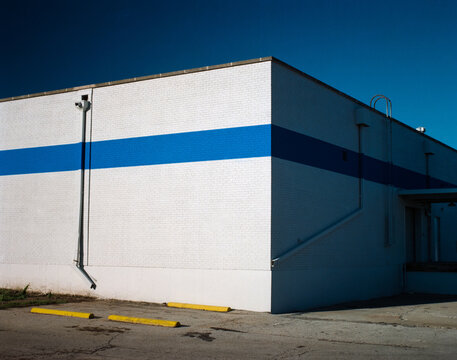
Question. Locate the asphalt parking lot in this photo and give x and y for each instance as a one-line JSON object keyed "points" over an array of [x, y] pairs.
{"points": [[404, 327]]}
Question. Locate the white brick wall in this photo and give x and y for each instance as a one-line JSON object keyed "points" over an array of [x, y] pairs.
{"points": [[195, 232], [39, 212], [221, 98], [40, 121], [201, 215], [307, 200], [39, 218], [205, 231]]}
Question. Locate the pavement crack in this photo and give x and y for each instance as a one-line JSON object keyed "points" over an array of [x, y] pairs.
{"points": [[368, 343], [108, 345], [225, 329], [105, 347]]}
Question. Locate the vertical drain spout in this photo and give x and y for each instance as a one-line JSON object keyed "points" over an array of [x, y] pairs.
{"points": [[84, 105]]}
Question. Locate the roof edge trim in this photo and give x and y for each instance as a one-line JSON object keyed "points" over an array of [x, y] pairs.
{"points": [[140, 78]]}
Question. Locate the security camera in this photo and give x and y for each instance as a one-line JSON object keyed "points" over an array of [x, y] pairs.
{"points": [[84, 105]]}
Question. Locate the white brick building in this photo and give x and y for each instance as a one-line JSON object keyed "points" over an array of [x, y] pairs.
{"points": [[250, 185]]}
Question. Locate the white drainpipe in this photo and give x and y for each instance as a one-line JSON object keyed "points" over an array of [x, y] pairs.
{"points": [[84, 105]]}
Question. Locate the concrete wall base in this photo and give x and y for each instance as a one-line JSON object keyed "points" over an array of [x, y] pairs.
{"points": [[239, 289]]}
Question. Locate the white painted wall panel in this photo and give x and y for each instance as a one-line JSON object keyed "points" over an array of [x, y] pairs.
{"points": [[244, 289], [409, 152], [194, 232], [202, 215], [302, 105], [443, 164], [306, 200], [45, 278], [241, 289], [408, 149], [39, 222], [39, 212], [358, 243], [41, 121], [352, 261], [221, 98]]}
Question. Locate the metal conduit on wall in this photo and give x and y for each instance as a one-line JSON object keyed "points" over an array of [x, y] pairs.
{"points": [[361, 122], [389, 145], [85, 106]]}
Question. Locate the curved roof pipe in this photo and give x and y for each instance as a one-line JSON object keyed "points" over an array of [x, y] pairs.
{"points": [[378, 97]]}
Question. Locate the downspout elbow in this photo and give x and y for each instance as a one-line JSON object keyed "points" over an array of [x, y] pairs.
{"points": [[80, 267]]}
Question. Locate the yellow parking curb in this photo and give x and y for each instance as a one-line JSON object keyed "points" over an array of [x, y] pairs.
{"points": [[62, 313], [144, 321], [199, 307]]}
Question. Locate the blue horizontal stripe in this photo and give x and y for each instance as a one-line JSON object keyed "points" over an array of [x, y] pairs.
{"points": [[221, 144], [232, 143], [303, 149], [40, 159]]}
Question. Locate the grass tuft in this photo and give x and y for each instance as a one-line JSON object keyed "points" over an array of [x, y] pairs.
{"points": [[11, 298]]}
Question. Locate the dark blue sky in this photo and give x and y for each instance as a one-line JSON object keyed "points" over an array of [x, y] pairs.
{"points": [[406, 50]]}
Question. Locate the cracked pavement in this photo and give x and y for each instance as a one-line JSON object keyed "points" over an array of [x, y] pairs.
{"points": [[405, 327]]}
